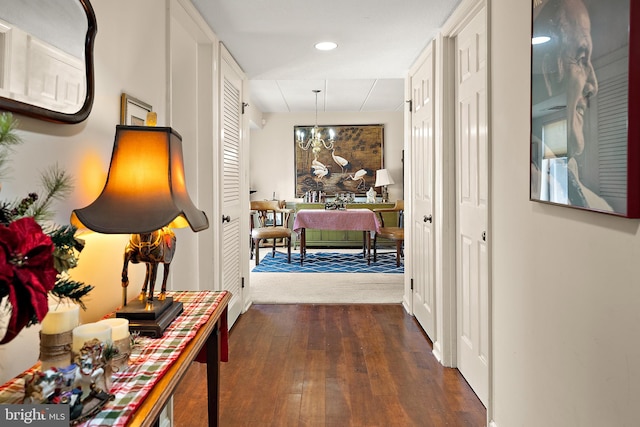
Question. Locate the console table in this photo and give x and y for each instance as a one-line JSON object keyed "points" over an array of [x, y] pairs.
{"points": [[156, 366], [363, 220]]}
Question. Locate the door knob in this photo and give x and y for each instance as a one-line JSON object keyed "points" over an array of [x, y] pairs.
{"points": [[226, 218], [427, 218]]}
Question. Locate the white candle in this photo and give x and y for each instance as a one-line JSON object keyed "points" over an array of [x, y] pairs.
{"points": [[119, 327], [60, 318], [89, 331]]}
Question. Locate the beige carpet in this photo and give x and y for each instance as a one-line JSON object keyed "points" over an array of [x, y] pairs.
{"points": [[326, 288]]}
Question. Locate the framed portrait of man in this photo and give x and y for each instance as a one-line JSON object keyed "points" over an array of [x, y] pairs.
{"points": [[581, 105]]}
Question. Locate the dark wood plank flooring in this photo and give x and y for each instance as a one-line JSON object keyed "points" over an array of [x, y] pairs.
{"points": [[330, 365]]}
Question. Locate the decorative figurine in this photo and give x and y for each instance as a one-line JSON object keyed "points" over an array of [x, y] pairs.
{"points": [[152, 248], [91, 373], [371, 195]]}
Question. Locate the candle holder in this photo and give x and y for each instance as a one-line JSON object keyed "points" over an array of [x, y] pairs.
{"points": [[121, 341], [56, 335], [88, 343], [55, 350], [87, 332]]}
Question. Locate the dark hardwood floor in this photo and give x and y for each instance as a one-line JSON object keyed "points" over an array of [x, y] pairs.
{"points": [[330, 365]]}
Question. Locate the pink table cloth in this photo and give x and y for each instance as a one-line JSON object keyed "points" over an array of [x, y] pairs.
{"points": [[364, 220], [350, 219]]}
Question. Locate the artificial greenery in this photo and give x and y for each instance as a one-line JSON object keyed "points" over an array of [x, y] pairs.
{"points": [[109, 352], [8, 139], [56, 185]]}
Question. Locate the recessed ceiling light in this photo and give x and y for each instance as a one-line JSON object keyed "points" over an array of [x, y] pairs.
{"points": [[540, 39], [326, 45]]}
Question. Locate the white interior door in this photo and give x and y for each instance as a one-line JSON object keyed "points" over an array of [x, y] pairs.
{"points": [[422, 157], [233, 186], [472, 205]]}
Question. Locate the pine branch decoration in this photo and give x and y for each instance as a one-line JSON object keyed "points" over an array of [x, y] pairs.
{"points": [[8, 138], [65, 257], [56, 184], [67, 288], [8, 126]]}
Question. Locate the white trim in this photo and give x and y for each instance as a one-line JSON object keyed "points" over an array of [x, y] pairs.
{"points": [[445, 348], [467, 10], [490, 396], [204, 33], [460, 17], [445, 201], [407, 299], [184, 14], [231, 61]]}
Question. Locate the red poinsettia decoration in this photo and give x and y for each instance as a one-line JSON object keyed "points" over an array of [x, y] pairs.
{"points": [[26, 272]]}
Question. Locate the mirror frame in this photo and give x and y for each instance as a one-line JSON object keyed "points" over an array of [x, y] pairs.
{"points": [[56, 116]]}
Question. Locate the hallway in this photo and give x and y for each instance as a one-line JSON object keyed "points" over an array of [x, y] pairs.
{"points": [[330, 365]]}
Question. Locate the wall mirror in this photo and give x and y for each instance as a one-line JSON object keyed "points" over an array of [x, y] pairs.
{"points": [[46, 58]]}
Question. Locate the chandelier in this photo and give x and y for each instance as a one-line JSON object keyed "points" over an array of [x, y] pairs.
{"points": [[315, 141]]}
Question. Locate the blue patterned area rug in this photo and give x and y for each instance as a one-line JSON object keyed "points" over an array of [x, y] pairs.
{"points": [[329, 262]]}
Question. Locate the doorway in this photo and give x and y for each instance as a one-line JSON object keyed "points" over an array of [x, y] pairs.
{"points": [[458, 322]]}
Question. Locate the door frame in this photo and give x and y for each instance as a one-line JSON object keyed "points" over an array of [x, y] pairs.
{"points": [[445, 342], [443, 51], [184, 12], [445, 185], [461, 17]]}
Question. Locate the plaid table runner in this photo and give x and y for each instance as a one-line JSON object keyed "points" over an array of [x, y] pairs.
{"points": [[148, 362]]}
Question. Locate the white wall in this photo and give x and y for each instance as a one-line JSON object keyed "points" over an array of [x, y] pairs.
{"points": [[272, 149], [566, 287], [130, 56]]}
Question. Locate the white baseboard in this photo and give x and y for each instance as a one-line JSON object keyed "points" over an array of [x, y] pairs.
{"points": [[437, 351], [406, 303]]}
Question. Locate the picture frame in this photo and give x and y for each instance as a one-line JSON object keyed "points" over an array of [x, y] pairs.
{"points": [[133, 112], [584, 129], [351, 164]]}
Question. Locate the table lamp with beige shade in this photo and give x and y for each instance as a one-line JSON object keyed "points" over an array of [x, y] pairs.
{"points": [[383, 178], [146, 196]]}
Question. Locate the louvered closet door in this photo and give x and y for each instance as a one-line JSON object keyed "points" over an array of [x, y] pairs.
{"points": [[230, 201]]}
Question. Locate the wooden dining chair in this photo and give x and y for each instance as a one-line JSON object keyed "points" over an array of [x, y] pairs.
{"points": [[268, 213], [394, 233]]}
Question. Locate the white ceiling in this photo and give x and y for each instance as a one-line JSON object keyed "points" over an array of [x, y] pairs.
{"points": [[273, 42]]}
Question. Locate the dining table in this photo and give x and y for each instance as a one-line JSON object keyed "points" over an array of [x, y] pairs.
{"points": [[364, 220]]}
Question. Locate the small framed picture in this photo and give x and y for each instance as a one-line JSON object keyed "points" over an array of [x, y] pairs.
{"points": [[133, 112]]}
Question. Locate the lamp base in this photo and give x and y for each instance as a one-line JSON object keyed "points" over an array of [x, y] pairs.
{"points": [[385, 194], [150, 322]]}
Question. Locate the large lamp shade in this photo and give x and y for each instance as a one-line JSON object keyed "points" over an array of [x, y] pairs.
{"points": [[145, 188]]}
